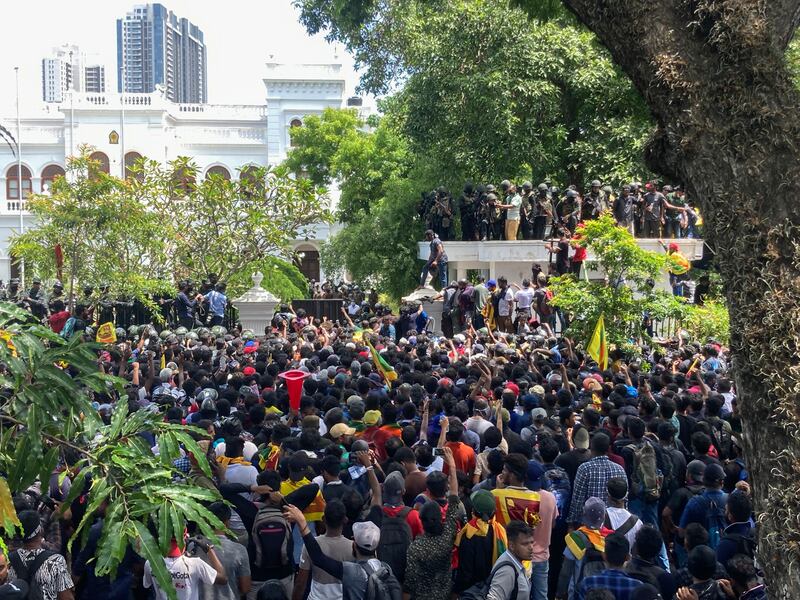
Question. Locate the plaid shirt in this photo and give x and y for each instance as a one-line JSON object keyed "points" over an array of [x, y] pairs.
{"points": [[613, 580], [591, 480]]}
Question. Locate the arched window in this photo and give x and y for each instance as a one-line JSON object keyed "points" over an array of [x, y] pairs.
{"points": [[12, 182], [103, 165], [249, 184], [49, 174], [130, 159], [184, 180], [220, 171], [294, 123]]}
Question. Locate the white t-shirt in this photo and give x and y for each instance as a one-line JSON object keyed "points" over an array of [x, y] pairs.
{"points": [[618, 516], [187, 573], [477, 424], [512, 214], [504, 306], [524, 298]]}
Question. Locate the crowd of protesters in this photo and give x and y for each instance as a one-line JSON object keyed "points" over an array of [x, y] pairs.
{"points": [[496, 463], [512, 212]]}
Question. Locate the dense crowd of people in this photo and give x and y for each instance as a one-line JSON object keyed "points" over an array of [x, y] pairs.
{"points": [[496, 462], [511, 212]]}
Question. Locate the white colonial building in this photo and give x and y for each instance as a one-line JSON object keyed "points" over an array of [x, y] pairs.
{"points": [[122, 128]]}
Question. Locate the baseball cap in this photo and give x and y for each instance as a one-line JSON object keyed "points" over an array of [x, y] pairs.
{"points": [[594, 512], [538, 413], [537, 389], [696, 469], [534, 475], [366, 535], [341, 429], [248, 371], [491, 283], [371, 417], [394, 487], [581, 439], [713, 474]]}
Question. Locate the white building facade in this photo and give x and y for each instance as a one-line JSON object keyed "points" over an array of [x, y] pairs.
{"points": [[122, 128]]}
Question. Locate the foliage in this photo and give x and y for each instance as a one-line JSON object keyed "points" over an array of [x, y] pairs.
{"points": [[381, 249], [161, 225], [488, 94], [48, 420], [105, 233], [338, 146], [282, 278], [711, 320], [221, 226], [793, 59], [626, 294]]}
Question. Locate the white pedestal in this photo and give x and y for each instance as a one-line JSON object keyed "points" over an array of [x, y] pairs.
{"points": [[256, 306], [425, 296]]}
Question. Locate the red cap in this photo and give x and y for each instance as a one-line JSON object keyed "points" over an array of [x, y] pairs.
{"points": [[510, 385], [247, 371], [673, 247]]}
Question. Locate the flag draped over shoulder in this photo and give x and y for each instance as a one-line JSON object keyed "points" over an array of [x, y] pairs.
{"points": [[598, 346], [388, 372]]}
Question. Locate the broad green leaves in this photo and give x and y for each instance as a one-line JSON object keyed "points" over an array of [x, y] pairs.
{"points": [[48, 426]]}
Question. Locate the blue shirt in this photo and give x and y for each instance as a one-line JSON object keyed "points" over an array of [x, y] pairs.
{"points": [[696, 510], [613, 580], [217, 301], [420, 321]]}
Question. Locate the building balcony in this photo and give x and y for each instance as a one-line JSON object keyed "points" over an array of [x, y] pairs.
{"points": [[514, 259]]}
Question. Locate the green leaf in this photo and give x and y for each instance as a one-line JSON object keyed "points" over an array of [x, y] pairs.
{"points": [[117, 419], [98, 493], [148, 549], [49, 464], [164, 530]]}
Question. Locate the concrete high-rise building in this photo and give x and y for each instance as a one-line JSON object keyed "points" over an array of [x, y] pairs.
{"points": [[64, 70], [159, 49], [94, 77]]}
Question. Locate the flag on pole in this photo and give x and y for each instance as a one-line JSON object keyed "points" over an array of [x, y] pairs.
{"points": [[106, 334], [598, 347], [388, 372]]}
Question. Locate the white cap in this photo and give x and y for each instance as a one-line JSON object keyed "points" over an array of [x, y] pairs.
{"points": [[366, 535]]}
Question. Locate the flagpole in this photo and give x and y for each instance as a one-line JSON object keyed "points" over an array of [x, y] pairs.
{"points": [[20, 189]]}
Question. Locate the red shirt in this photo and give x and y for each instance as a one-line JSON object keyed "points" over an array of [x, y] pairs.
{"points": [[412, 518], [382, 436], [464, 457], [58, 320]]}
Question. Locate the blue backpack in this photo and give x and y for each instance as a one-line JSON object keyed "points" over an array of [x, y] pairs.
{"points": [[715, 519], [556, 481]]}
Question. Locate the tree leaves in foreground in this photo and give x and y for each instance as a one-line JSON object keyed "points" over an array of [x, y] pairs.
{"points": [[47, 422]]}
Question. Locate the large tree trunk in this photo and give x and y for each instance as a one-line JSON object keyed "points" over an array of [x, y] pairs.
{"points": [[728, 119]]}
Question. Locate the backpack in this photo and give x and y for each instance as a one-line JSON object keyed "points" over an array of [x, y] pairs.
{"points": [[545, 308], [396, 537], [721, 439], [715, 520], [272, 538], [623, 529], [646, 573], [68, 329], [381, 583], [646, 479], [556, 481], [591, 564], [745, 543], [670, 482], [479, 591], [27, 571]]}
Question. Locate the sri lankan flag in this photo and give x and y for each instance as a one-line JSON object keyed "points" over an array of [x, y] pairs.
{"points": [[388, 372], [315, 510], [516, 504], [268, 457], [579, 541], [480, 528], [598, 347]]}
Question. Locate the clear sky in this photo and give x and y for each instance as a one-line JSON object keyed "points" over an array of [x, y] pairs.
{"points": [[240, 35]]}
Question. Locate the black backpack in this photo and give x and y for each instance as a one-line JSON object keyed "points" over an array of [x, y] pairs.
{"points": [[272, 539], [396, 537], [27, 571], [479, 591], [745, 543], [381, 582]]}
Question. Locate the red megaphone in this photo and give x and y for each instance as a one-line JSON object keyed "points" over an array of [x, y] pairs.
{"points": [[294, 383]]}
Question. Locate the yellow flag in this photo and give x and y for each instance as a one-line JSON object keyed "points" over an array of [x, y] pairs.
{"points": [[106, 334], [5, 336], [163, 361], [598, 347]]}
